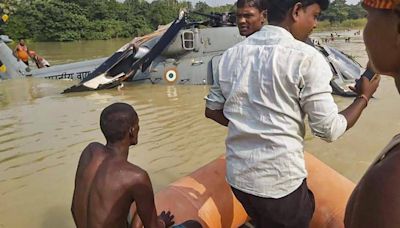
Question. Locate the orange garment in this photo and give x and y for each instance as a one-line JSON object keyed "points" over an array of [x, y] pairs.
{"points": [[22, 52]]}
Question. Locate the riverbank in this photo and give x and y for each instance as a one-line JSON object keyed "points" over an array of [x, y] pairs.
{"points": [[356, 24]]}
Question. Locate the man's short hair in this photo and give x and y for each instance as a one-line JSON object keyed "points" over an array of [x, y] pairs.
{"points": [[116, 120], [258, 4], [278, 9]]}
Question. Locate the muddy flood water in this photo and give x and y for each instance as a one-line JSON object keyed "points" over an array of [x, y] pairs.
{"points": [[43, 132]]}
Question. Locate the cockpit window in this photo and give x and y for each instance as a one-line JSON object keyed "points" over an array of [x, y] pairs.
{"points": [[188, 40]]}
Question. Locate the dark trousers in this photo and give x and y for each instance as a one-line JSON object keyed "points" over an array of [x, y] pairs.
{"points": [[292, 211]]}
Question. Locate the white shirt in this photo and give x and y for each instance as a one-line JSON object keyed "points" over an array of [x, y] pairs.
{"points": [[266, 85]]}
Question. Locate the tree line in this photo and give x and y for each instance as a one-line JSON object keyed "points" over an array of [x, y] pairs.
{"points": [[69, 20], [339, 11]]}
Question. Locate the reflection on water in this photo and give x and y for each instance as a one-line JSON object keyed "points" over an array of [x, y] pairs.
{"points": [[42, 134]]}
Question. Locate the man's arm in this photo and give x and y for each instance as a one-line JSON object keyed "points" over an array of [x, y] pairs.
{"points": [[144, 197], [366, 90], [215, 101], [15, 53], [367, 80], [93, 152], [76, 207], [316, 100], [217, 115]]}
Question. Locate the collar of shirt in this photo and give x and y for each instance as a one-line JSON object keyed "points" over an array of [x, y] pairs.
{"points": [[268, 33]]}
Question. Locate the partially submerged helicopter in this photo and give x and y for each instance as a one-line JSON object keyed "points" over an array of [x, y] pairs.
{"points": [[11, 68], [183, 52], [14, 68]]}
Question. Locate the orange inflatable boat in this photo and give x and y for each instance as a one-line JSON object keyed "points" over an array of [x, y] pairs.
{"points": [[205, 196]]}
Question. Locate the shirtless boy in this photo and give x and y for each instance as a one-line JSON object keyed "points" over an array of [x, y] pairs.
{"points": [[107, 184]]}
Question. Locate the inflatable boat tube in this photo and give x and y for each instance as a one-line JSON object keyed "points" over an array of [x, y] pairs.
{"points": [[205, 196]]}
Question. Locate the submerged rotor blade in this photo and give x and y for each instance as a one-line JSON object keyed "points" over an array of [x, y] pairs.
{"points": [[107, 71], [164, 41], [160, 46], [121, 66]]}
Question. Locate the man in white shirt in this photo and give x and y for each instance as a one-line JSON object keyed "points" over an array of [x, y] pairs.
{"points": [[250, 16], [265, 87]]}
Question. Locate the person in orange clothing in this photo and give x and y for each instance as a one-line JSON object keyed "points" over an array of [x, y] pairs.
{"points": [[21, 52], [375, 202]]}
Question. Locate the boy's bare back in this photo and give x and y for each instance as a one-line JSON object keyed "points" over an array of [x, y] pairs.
{"points": [[107, 184], [112, 185]]}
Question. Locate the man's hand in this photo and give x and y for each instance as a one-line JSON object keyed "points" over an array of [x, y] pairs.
{"points": [[365, 91], [167, 218], [217, 115], [368, 87]]}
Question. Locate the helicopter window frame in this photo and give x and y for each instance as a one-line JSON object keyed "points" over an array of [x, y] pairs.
{"points": [[188, 40]]}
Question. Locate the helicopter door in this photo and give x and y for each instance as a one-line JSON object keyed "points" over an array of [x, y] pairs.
{"points": [[188, 40]]}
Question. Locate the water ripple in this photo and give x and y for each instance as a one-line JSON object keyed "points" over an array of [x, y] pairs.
{"points": [[6, 149], [20, 137], [18, 155]]}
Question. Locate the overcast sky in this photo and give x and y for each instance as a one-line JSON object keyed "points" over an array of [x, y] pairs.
{"points": [[223, 2]]}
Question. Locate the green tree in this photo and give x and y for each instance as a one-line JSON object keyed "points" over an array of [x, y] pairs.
{"points": [[48, 21], [356, 12], [338, 11], [81, 3], [163, 12], [8, 6], [104, 9], [67, 20], [225, 8], [202, 7]]}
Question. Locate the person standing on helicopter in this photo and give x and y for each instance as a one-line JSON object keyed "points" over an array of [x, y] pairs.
{"points": [[21, 52]]}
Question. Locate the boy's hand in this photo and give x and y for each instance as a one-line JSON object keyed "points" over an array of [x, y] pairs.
{"points": [[167, 218]]}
